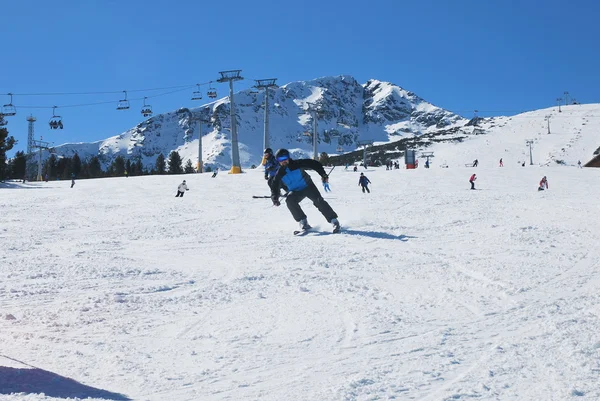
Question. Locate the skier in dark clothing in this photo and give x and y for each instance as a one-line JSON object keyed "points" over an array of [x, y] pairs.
{"points": [[271, 167], [270, 163], [291, 173], [72, 180], [364, 182]]}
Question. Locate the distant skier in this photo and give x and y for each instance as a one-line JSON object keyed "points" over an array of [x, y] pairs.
{"points": [[292, 173], [501, 164], [126, 174], [472, 180], [181, 189], [270, 163], [215, 173], [427, 163], [543, 184], [325, 181], [364, 182], [579, 164], [355, 168], [72, 179], [475, 163]]}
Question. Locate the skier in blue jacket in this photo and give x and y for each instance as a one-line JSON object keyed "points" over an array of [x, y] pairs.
{"points": [[270, 163], [291, 174], [364, 182]]}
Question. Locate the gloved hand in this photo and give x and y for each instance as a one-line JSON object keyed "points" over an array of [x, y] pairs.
{"points": [[276, 202], [325, 177], [266, 177]]}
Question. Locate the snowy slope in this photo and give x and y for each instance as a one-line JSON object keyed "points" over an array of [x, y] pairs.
{"points": [[574, 135], [117, 290]]}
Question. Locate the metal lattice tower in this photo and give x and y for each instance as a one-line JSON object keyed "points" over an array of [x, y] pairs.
{"points": [[30, 132]]}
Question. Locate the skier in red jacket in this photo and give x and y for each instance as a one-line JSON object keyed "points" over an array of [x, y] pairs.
{"points": [[472, 180], [543, 184]]}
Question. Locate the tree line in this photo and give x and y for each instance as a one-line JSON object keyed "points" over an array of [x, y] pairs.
{"points": [[64, 167]]}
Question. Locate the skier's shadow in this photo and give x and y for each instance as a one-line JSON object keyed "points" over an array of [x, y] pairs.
{"points": [[376, 234], [37, 381]]}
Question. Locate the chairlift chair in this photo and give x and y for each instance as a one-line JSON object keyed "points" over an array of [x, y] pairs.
{"points": [[124, 103], [56, 121], [197, 95], [146, 109], [212, 92], [9, 109]]}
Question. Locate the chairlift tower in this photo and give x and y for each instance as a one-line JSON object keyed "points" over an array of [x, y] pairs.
{"points": [[199, 119], [365, 143], [547, 118], [41, 146], [313, 110], [427, 155], [230, 76], [30, 131], [266, 84], [529, 142]]}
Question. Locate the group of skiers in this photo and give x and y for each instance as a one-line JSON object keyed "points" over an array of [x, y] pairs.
{"points": [[287, 174]]}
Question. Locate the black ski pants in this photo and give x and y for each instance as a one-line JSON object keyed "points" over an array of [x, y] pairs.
{"points": [[472, 184], [311, 192], [179, 194], [365, 188]]}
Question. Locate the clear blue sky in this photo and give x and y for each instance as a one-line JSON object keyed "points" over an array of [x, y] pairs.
{"points": [[499, 57]]}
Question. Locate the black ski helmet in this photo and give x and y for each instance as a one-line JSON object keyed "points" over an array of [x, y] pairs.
{"points": [[268, 151], [282, 153]]}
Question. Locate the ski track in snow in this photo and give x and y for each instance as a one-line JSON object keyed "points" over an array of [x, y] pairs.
{"points": [[428, 295]]}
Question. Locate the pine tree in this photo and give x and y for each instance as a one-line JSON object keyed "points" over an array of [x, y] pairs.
{"points": [[175, 163], [17, 165], [189, 168], [159, 166], [76, 165], [6, 144], [50, 167], [128, 167], [324, 158], [118, 166], [94, 168], [139, 167]]}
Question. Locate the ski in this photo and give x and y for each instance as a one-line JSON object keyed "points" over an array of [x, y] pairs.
{"points": [[300, 233]]}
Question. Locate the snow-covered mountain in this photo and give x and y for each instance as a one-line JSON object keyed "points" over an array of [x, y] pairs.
{"points": [[348, 112]]}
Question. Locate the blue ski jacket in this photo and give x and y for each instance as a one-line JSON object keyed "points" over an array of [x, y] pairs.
{"points": [[271, 166], [294, 177]]}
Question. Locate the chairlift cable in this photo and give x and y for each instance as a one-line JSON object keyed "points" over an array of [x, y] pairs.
{"points": [[104, 102]]}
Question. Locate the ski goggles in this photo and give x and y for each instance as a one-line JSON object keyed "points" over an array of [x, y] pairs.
{"points": [[283, 158]]}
